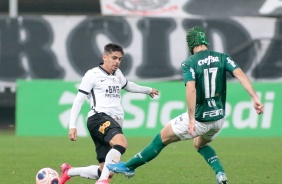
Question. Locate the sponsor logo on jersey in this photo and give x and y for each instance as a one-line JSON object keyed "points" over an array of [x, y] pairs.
{"points": [[232, 63], [208, 60], [113, 92], [192, 72], [213, 113]]}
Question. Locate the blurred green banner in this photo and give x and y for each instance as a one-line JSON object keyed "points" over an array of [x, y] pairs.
{"points": [[43, 109]]}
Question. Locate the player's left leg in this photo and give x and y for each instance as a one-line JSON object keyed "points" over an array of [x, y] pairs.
{"points": [[165, 137], [109, 141], [119, 144]]}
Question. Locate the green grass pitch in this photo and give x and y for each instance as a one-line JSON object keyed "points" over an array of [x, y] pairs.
{"points": [[246, 160]]}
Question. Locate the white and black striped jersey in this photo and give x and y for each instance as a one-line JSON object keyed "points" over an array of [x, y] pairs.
{"points": [[104, 91]]}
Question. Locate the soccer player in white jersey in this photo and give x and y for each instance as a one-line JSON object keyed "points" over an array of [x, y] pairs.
{"points": [[204, 75], [102, 85]]}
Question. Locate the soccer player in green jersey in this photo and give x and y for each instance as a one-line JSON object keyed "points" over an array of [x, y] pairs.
{"points": [[204, 75]]}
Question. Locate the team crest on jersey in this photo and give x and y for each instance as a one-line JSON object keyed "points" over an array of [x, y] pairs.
{"points": [[104, 126]]}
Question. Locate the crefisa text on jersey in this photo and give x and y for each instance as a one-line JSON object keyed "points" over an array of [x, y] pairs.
{"points": [[208, 60]]}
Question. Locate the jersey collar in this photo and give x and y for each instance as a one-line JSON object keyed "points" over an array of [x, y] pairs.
{"points": [[101, 68]]}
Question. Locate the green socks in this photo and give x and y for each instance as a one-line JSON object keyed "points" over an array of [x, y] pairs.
{"points": [[147, 154], [156, 146], [210, 156]]}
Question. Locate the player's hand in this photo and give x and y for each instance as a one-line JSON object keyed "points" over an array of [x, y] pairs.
{"points": [[191, 127], [154, 92], [258, 106], [72, 134]]}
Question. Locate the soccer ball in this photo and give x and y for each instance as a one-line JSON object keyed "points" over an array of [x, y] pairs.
{"points": [[47, 176]]}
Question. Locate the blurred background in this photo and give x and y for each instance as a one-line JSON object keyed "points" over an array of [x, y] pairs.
{"points": [[46, 46]]}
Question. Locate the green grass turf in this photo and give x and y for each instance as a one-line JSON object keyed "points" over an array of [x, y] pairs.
{"points": [[246, 160]]}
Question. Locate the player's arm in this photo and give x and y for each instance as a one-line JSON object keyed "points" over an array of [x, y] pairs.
{"points": [[85, 86], [246, 83], [191, 103], [78, 101], [135, 88], [188, 74]]}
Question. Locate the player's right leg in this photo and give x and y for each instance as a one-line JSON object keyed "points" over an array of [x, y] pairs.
{"points": [[212, 159], [89, 172], [165, 137], [64, 173], [221, 178], [208, 153]]}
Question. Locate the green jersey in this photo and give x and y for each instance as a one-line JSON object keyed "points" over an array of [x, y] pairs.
{"points": [[208, 70]]}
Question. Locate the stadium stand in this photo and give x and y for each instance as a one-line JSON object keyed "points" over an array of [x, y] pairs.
{"points": [[47, 7], [42, 7], [7, 108]]}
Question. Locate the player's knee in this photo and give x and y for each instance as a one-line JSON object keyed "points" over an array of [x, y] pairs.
{"points": [[120, 148], [200, 142], [119, 139], [197, 144]]}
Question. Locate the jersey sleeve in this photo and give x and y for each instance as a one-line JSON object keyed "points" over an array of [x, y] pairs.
{"points": [[230, 65], [135, 88], [188, 72], [87, 82]]}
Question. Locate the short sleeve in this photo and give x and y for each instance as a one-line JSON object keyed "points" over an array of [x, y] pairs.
{"points": [[188, 72], [230, 65], [87, 82]]}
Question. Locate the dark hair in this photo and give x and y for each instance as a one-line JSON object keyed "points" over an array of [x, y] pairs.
{"points": [[111, 47]]}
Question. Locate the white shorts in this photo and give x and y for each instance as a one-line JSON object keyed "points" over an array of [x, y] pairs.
{"points": [[207, 130]]}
